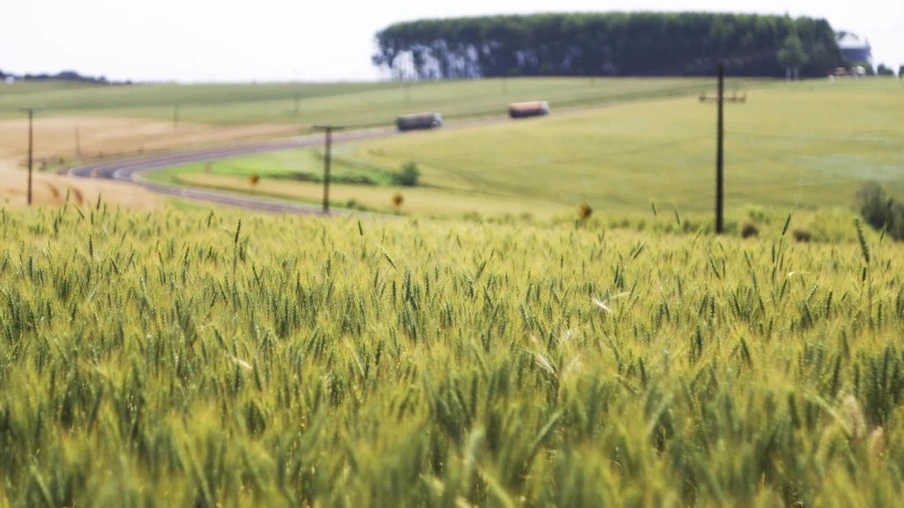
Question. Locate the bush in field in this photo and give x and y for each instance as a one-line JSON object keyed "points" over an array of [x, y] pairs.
{"points": [[802, 235], [354, 204], [749, 230], [884, 70], [881, 211], [408, 176]]}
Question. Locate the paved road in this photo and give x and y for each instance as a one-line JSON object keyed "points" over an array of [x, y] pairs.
{"points": [[129, 170]]}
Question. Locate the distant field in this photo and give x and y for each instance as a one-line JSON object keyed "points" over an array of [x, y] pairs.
{"points": [[808, 144], [355, 104]]}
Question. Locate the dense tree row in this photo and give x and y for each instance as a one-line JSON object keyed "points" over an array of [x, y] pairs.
{"points": [[605, 44], [60, 76]]}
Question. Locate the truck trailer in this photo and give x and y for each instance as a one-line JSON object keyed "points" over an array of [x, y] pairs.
{"points": [[531, 108], [419, 121]]}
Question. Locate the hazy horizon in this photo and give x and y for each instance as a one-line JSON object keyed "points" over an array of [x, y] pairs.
{"points": [[207, 41]]}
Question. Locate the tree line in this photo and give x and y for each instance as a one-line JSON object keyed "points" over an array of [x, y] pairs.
{"points": [[604, 44], [72, 76]]}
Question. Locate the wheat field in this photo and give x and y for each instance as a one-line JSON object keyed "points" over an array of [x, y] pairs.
{"points": [[201, 358]]}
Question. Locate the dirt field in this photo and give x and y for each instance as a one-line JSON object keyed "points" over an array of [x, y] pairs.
{"points": [[71, 138], [60, 141], [50, 189]]}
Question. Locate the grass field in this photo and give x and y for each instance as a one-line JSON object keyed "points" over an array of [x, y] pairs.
{"points": [[231, 359], [354, 104], [788, 146], [79, 122]]}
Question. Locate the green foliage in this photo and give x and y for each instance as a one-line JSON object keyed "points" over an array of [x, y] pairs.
{"points": [[408, 176], [802, 235], [749, 230], [884, 70], [610, 44], [227, 359], [881, 211], [354, 204], [868, 67], [792, 54]]}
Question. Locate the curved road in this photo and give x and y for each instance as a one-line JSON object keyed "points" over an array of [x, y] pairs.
{"points": [[128, 170]]}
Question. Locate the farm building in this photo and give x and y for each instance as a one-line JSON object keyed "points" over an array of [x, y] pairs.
{"points": [[853, 48]]}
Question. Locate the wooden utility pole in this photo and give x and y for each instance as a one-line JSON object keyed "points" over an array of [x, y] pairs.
{"points": [[720, 153], [327, 156], [721, 99], [31, 114]]}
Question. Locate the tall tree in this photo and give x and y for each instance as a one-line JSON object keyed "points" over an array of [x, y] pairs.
{"points": [[610, 44], [792, 56]]}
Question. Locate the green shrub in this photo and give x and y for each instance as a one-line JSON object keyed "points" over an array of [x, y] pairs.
{"points": [[408, 176], [881, 211], [883, 70], [354, 204], [802, 235], [749, 230]]}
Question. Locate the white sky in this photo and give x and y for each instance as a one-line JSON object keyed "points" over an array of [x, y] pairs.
{"points": [[306, 40]]}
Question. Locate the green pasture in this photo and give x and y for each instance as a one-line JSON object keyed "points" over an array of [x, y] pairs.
{"points": [[807, 145], [353, 104], [226, 358], [38, 88]]}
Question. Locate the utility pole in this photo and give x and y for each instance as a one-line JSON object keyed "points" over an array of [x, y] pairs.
{"points": [[31, 114], [720, 152], [721, 99], [327, 156]]}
